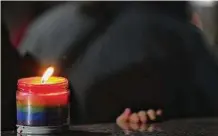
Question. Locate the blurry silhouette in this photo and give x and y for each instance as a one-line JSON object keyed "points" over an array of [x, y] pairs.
{"points": [[9, 77], [116, 55]]}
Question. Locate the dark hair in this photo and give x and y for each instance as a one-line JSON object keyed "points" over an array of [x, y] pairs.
{"points": [[181, 9]]}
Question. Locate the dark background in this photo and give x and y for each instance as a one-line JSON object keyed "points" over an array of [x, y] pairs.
{"points": [[13, 68]]}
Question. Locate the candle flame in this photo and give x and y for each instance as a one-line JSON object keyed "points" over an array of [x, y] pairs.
{"points": [[48, 73]]}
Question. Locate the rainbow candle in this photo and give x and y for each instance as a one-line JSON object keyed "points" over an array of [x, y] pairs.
{"points": [[42, 104]]}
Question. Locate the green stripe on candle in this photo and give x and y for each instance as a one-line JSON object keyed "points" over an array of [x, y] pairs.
{"points": [[26, 108]]}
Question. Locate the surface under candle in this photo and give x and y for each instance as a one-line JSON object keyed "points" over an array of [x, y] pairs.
{"points": [[42, 104]]}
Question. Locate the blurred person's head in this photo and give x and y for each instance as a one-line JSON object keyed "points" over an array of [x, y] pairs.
{"points": [[207, 15], [182, 10]]}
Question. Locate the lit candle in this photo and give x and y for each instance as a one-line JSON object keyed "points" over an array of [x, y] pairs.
{"points": [[42, 104]]}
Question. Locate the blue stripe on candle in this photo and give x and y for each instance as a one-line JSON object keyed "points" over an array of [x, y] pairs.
{"points": [[22, 116]]}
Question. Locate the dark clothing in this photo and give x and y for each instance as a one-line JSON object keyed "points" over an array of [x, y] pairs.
{"points": [[9, 76], [136, 56]]}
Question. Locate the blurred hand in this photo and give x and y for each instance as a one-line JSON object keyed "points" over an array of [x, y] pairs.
{"points": [[140, 117], [129, 127], [138, 121]]}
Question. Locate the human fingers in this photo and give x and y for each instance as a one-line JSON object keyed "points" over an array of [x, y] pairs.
{"points": [[151, 114], [123, 125], [124, 116], [134, 126], [142, 116], [134, 118]]}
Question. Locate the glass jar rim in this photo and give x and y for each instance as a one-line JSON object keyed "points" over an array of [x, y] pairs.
{"points": [[34, 85]]}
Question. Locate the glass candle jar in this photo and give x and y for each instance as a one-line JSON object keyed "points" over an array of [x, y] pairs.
{"points": [[42, 108]]}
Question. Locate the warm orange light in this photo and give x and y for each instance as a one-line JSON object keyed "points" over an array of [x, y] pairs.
{"points": [[48, 73]]}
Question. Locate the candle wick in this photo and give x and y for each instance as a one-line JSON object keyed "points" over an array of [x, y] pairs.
{"points": [[42, 81]]}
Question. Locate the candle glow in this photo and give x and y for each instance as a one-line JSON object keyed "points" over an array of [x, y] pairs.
{"points": [[48, 73]]}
